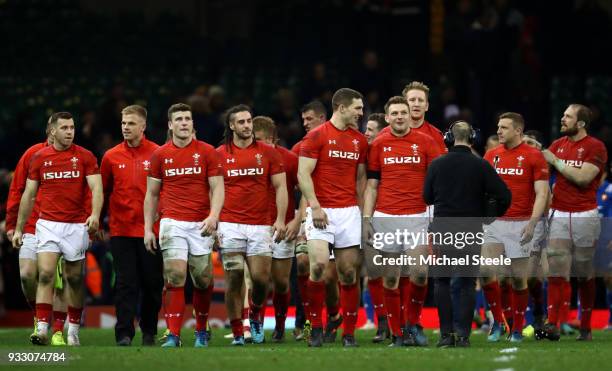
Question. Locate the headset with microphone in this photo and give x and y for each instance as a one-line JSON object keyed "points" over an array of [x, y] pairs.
{"points": [[449, 138]]}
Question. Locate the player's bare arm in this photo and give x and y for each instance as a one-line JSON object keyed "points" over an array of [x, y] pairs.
{"points": [[97, 200], [25, 209], [280, 187], [305, 168], [581, 177], [217, 197], [361, 183], [539, 207], [150, 209], [369, 201]]}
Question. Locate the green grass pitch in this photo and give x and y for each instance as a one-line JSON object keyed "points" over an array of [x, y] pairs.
{"points": [[98, 352]]}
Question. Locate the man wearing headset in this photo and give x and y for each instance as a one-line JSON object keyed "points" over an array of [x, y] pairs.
{"points": [[463, 188]]}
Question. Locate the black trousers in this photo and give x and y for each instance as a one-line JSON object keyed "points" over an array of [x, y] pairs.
{"points": [[455, 314], [138, 285]]}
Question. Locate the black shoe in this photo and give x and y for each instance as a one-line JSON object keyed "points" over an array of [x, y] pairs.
{"points": [[396, 342], [348, 341], [316, 337], [407, 337], [552, 332], [125, 341], [278, 336], [446, 341], [382, 333], [331, 329], [148, 340], [462, 342]]}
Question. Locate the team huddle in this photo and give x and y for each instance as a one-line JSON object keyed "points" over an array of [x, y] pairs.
{"points": [[186, 198]]}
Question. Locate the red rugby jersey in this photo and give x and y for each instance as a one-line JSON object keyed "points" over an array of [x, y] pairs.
{"points": [[16, 190], [63, 189], [338, 152], [519, 168], [290, 164], [184, 173], [566, 195], [402, 163], [124, 172], [296, 148], [247, 174], [427, 129]]}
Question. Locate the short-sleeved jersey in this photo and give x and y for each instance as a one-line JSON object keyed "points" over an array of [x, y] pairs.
{"points": [[247, 174], [338, 153], [290, 164], [16, 190], [519, 168], [184, 173], [567, 196], [296, 148], [124, 172], [63, 189], [427, 129], [402, 164]]}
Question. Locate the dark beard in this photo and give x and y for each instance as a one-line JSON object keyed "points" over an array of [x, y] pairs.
{"points": [[570, 132]]}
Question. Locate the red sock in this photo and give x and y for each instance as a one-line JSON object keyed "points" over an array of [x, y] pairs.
{"points": [[404, 287], [175, 308], [555, 296], [256, 311], [43, 312], [74, 315], [566, 301], [506, 300], [281, 303], [415, 302], [392, 303], [316, 298], [237, 329], [201, 304], [587, 301], [303, 290], [535, 291], [520, 299], [59, 318], [493, 295], [377, 293], [349, 301], [245, 313]]}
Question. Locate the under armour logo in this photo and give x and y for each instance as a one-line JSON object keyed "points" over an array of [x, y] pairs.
{"points": [[168, 161], [332, 141], [386, 149], [48, 163], [121, 166], [560, 150], [232, 160]]}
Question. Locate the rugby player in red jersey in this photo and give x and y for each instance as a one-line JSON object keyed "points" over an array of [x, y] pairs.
{"points": [[314, 115], [28, 269], [397, 165], [251, 169], [525, 172], [186, 182], [417, 95], [264, 129], [63, 174], [139, 280], [579, 160], [331, 176]]}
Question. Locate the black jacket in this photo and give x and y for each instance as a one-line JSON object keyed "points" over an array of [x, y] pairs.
{"points": [[460, 184]]}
